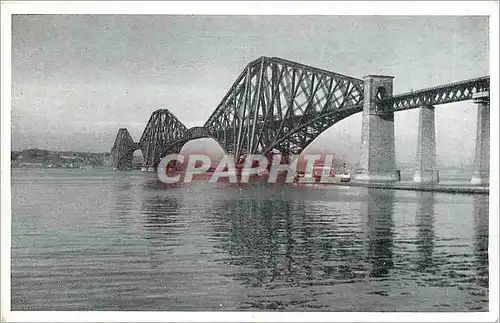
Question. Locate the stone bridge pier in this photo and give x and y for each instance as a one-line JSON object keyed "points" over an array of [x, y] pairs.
{"points": [[481, 174], [378, 155], [426, 170]]}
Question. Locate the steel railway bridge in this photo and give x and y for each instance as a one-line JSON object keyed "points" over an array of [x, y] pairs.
{"points": [[280, 106]]}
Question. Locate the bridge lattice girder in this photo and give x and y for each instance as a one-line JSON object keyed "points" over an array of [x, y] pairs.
{"points": [[162, 130], [281, 105], [454, 92], [278, 105], [192, 134], [123, 149]]}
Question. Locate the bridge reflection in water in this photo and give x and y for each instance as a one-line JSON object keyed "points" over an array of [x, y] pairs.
{"points": [[380, 231], [282, 248], [203, 247], [292, 254], [481, 211], [425, 230]]}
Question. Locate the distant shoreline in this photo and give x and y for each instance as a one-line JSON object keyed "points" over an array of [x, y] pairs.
{"points": [[40, 158]]}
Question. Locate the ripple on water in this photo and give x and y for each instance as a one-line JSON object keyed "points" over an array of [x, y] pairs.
{"points": [[119, 241]]}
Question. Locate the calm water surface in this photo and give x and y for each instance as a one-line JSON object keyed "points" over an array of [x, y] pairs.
{"points": [[103, 240]]}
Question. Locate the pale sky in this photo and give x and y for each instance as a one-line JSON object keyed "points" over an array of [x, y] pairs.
{"points": [[77, 79]]}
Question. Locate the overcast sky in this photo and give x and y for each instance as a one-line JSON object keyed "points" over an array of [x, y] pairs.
{"points": [[77, 79]]}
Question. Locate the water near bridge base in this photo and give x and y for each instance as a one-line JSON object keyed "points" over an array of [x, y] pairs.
{"points": [[104, 240]]}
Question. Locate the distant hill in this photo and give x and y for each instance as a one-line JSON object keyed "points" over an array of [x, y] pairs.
{"points": [[59, 159]]}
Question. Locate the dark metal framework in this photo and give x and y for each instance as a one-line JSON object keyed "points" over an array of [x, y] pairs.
{"points": [[162, 130], [454, 92], [279, 105], [276, 105], [176, 146], [123, 150]]}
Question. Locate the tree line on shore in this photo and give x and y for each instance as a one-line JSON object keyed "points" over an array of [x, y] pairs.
{"points": [[59, 159]]}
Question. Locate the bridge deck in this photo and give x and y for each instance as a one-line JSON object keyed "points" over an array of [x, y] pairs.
{"points": [[442, 94]]}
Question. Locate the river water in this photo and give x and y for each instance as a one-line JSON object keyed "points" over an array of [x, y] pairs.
{"points": [[104, 240]]}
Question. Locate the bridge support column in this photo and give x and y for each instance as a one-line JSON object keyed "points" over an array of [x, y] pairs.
{"points": [[481, 174], [378, 153], [426, 171]]}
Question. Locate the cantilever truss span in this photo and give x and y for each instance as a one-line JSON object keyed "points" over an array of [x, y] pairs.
{"points": [[162, 130], [123, 149], [164, 134], [276, 105], [279, 105]]}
